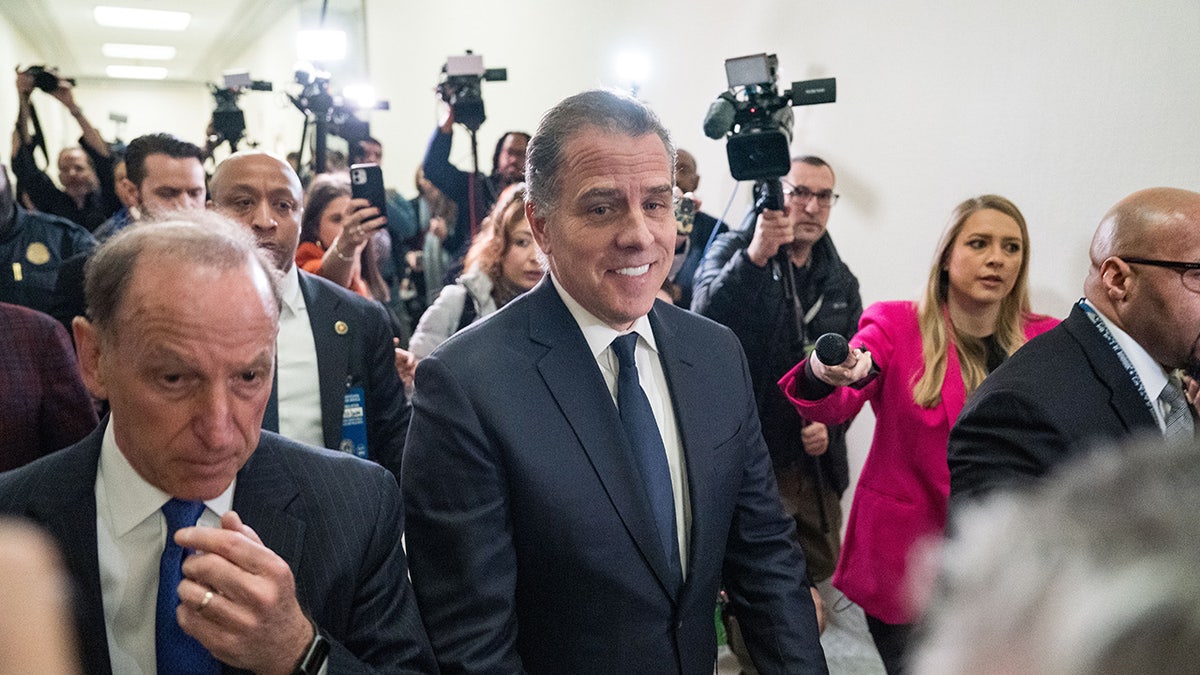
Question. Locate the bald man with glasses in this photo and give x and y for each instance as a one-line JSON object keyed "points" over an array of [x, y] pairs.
{"points": [[1110, 370]]}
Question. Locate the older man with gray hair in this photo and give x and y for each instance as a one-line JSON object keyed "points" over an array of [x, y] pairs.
{"points": [[585, 468], [293, 576]]}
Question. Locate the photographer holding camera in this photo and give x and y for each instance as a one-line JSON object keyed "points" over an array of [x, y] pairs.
{"points": [[88, 195], [779, 284], [474, 193]]}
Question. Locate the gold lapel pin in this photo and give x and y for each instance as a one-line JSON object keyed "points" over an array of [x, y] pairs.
{"points": [[340, 327]]}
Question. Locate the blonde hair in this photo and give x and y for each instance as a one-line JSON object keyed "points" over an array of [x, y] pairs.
{"points": [[937, 332]]}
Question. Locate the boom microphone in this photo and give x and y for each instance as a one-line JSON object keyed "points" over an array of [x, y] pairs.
{"points": [[721, 113], [832, 349]]}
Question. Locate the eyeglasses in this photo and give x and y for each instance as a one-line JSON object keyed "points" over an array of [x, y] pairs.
{"points": [[825, 198], [1189, 272]]}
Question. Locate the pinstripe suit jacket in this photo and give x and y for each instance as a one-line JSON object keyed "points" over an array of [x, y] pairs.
{"points": [[335, 519]]}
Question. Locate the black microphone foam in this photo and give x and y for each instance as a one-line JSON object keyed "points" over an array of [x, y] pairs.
{"points": [[719, 120], [832, 349]]}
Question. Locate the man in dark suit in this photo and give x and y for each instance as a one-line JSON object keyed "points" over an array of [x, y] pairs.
{"points": [[293, 575], [335, 347], [1106, 372], [552, 531]]}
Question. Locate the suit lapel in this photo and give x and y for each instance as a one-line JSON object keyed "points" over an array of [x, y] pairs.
{"points": [[333, 353], [686, 383], [263, 498], [69, 511], [1126, 401], [575, 382]]}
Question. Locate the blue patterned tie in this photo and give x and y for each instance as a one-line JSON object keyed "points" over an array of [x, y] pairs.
{"points": [[175, 650], [651, 455]]}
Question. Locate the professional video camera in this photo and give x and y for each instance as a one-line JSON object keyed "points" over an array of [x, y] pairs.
{"points": [[228, 120], [47, 79], [758, 121], [461, 77], [328, 114]]}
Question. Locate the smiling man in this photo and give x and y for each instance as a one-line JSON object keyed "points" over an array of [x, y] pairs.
{"points": [[286, 574], [616, 471]]}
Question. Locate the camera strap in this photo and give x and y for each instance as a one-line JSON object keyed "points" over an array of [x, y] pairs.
{"points": [[38, 140]]}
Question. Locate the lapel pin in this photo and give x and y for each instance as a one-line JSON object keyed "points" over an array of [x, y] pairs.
{"points": [[340, 327]]}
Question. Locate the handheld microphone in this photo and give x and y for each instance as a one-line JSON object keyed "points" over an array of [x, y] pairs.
{"points": [[832, 349], [719, 120]]}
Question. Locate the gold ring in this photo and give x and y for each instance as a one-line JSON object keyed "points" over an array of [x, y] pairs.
{"points": [[208, 596]]}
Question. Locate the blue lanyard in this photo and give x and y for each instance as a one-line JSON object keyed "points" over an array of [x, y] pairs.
{"points": [[1124, 359]]}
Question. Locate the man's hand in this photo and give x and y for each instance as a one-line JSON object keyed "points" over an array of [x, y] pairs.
{"points": [[446, 121], [65, 94], [253, 619], [772, 231], [406, 364], [24, 84], [815, 437]]}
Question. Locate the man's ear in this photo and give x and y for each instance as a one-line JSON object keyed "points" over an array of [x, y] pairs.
{"points": [[128, 193], [537, 225], [88, 348], [1116, 277]]}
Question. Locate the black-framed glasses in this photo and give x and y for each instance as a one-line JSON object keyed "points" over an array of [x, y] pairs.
{"points": [[825, 198], [1189, 272]]}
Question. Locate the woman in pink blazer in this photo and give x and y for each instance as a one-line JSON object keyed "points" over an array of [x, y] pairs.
{"points": [[916, 363]]}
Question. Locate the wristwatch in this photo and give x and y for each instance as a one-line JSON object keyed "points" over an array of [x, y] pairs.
{"points": [[315, 657]]}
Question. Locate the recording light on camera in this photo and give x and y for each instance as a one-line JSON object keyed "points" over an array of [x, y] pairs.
{"points": [[361, 96]]}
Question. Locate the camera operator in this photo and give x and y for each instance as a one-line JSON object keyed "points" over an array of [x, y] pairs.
{"points": [[778, 305], [689, 247], [88, 195], [508, 167]]}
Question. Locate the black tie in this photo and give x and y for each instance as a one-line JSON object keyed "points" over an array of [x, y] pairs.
{"points": [[648, 449]]}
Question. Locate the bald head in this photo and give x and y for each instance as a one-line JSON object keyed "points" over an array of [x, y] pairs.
{"points": [[263, 193], [1150, 300]]}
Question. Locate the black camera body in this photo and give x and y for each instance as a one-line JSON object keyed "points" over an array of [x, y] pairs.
{"points": [[228, 120], [757, 119], [47, 79], [460, 87]]}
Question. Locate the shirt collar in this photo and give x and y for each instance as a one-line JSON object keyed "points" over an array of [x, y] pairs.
{"points": [[289, 291], [598, 334], [130, 498]]}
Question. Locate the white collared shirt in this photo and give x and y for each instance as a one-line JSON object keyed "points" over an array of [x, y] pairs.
{"points": [[299, 384], [131, 533], [1153, 376], [599, 337]]}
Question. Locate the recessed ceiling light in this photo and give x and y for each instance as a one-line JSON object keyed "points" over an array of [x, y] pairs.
{"points": [[137, 72], [147, 52], [148, 19]]}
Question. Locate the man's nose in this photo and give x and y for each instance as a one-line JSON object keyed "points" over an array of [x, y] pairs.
{"points": [[263, 217], [214, 422]]}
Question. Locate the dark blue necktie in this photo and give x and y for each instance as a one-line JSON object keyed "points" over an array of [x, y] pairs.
{"points": [[175, 650], [649, 452]]}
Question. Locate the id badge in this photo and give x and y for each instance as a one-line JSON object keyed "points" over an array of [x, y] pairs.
{"points": [[354, 423]]}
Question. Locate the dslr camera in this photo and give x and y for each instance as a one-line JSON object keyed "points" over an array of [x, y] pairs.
{"points": [[460, 87], [757, 119], [47, 79]]}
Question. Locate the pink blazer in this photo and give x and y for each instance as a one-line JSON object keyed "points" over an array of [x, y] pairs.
{"points": [[902, 493]]}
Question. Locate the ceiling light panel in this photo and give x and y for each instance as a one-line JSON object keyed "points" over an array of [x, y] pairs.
{"points": [[145, 19], [144, 52]]}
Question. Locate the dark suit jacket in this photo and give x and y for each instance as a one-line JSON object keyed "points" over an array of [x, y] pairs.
{"points": [[363, 354], [1055, 398], [531, 539], [335, 519]]}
